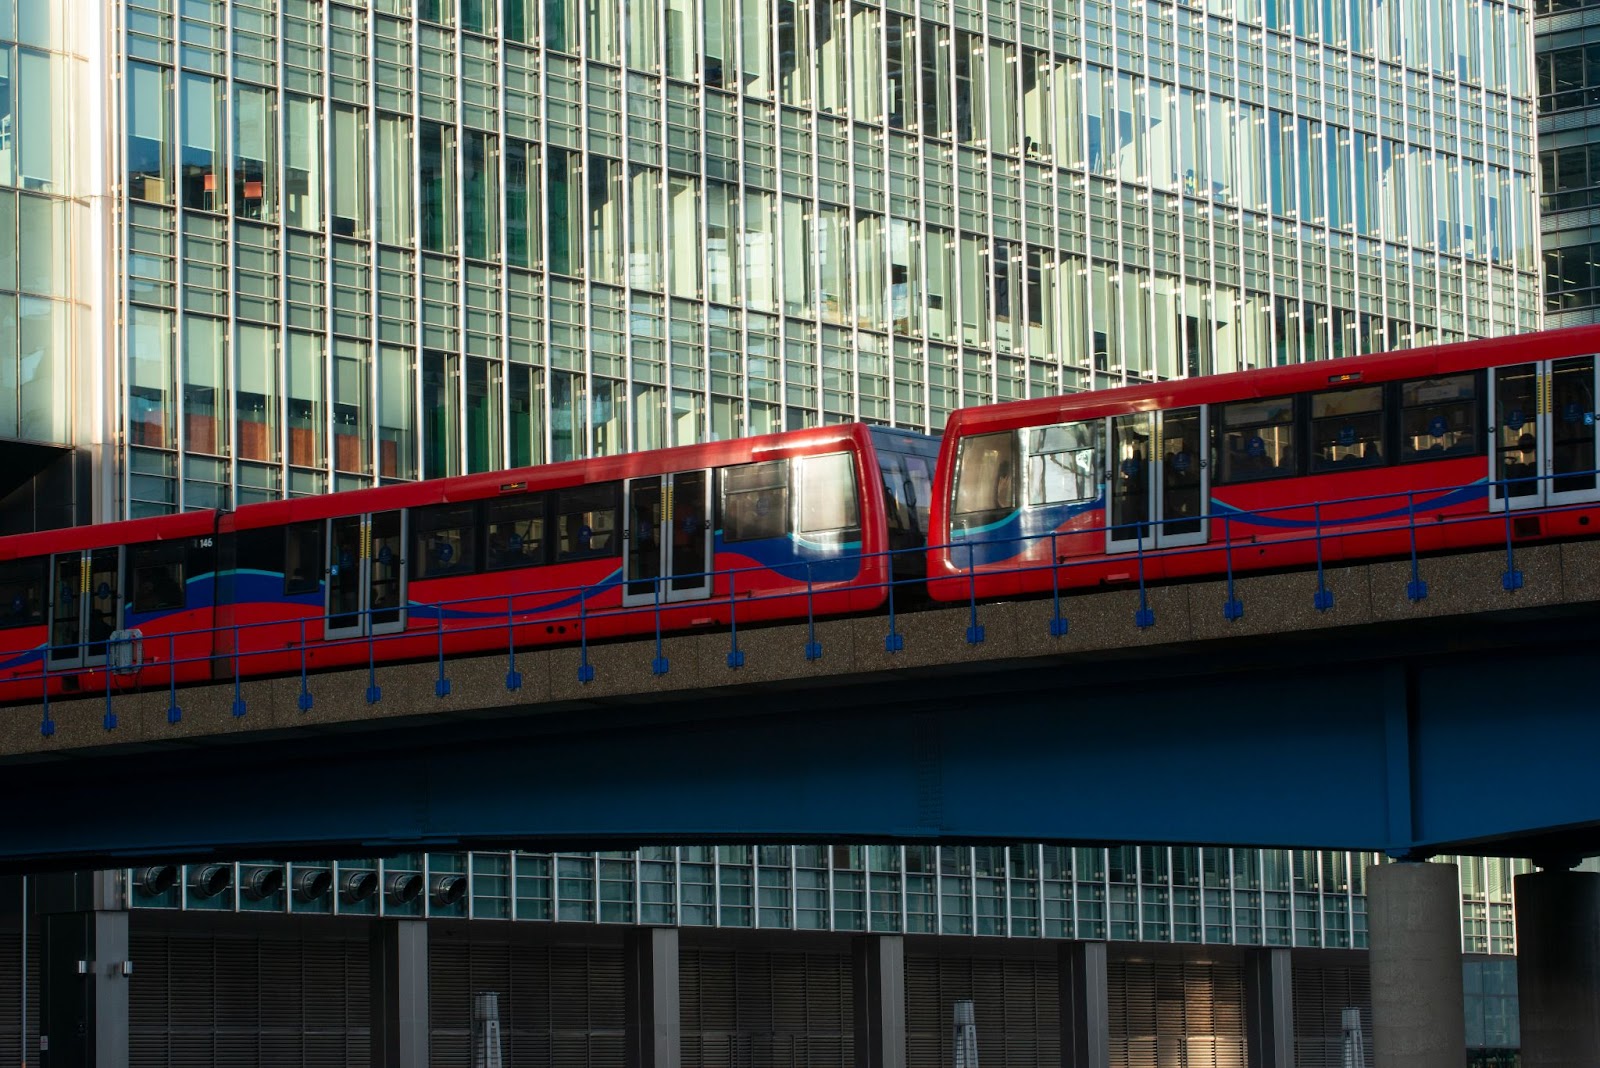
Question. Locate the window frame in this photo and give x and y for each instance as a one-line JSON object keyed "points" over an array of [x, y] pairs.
{"points": [[1314, 463], [1479, 406], [540, 503], [725, 494], [559, 511], [41, 586], [422, 526], [980, 517], [151, 555], [1222, 473]]}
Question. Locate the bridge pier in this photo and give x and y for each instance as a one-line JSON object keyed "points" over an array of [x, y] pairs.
{"points": [[1558, 967], [84, 968], [1085, 1006], [650, 977], [880, 1001], [1414, 919], [1269, 1009], [400, 1022]]}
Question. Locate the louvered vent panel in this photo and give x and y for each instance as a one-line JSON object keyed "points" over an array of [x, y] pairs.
{"points": [[559, 1006], [1176, 1014], [753, 1009], [1321, 994], [11, 987], [1015, 1006], [206, 1001]]}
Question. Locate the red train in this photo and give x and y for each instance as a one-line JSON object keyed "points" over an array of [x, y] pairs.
{"points": [[1181, 478], [1261, 469], [787, 523]]}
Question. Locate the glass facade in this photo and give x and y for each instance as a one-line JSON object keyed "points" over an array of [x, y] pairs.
{"points": [[377, 240], [1181, 895], [1567, 76]]}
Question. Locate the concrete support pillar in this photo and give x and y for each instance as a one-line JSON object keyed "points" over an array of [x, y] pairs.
{"points": [[1085, 1011], [1558, 968], [1269, 1009], [650, 972], [400, 1024], [880, 1001], [1414, 920], [83, 996]]}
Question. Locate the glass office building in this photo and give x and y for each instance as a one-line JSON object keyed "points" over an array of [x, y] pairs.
{"points": [[277, 247], [1567, 42]]}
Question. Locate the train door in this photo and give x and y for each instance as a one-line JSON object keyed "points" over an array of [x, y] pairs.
{"points": [[85, 606], [1543, 444], [366, 575], [1157, 480], [668, 538]]}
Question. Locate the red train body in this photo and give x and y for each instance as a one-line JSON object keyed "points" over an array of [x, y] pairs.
{"points": [[1265, 469]]}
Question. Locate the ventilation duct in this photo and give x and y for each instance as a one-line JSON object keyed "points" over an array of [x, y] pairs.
{"points": [[402, 888], [312, 883], [357, 886], [260, 882], [209, 880], [448, 889], [156, 879]]}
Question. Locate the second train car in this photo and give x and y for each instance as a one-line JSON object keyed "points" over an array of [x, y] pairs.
{"points": [[1264, 469]]}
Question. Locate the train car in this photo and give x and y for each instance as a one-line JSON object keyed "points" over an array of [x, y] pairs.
{"points": [[1260, 469], [805, 521]]}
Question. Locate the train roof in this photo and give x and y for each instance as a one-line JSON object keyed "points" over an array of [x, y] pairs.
{"points": [[1274, 381]]}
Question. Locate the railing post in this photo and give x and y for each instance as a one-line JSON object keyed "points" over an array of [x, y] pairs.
{"points": [[174, 713], [441, 688], [1058, 622], [894, 641], [1322, 600], [735, 654], [238, 691], [1511, 581], [513, 676], [1416, 589], [813, 647], [110, 717], [658, 666], [305, 694], [585, 669], [47, 726], [1232, 608], [974, 631], [374, 691], [1144, 616]]}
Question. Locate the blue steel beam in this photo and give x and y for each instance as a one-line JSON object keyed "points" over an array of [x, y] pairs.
{"points": [[1453, 751]]}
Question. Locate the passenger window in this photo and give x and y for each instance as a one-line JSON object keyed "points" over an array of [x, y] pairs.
{"points": [[514, 530], [1439, 417], [443, 541], [586, 521], [302, 559], [1347, 429], [1063, 463], [755, 501], [1255, 440], [828, 493], [985, 479], [157, 571], [23, 584]]}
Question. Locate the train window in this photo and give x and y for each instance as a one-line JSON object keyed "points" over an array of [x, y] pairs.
{"points": [[22, 592], [1255, 440], [586, 521], [985, 479], [157, 573], [1439, 417], [755, 501], [828, 493], [1347, 429], [514, 529], [302, 558], [1063, 463], [443, 540]]}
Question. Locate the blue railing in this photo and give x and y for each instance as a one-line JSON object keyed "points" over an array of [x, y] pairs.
{"points": [[490, 617]]}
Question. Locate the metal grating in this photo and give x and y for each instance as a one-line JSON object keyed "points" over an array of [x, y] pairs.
{"points": [[1321, 994], [754, 1009], [11, 992], [559, 1005], [221, 1001], [1176, 1014], [1016, 1006]]}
